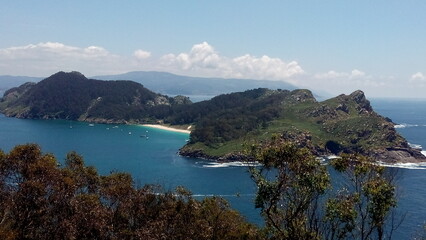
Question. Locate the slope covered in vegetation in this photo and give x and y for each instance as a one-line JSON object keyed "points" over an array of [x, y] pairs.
{"points": [[73, 96], [346, 123], [40, 200]]}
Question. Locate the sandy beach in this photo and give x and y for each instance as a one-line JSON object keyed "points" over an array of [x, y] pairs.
{"points": [[167, 128]]}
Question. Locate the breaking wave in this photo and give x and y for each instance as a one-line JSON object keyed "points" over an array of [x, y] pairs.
{"points": [[407, 125], [224, 195], [421, 165], [415, 146], [229, 164]]}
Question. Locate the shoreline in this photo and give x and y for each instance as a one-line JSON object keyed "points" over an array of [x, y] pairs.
{"points": [[157, 126]]}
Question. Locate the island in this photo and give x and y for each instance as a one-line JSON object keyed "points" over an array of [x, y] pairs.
{"points": [[220, 128]]}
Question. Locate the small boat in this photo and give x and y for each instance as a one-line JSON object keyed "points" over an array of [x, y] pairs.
{"points": [[130, 133], [91, 125]]}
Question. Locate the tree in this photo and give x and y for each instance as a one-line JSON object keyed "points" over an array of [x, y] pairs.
{"points": [[365, 200], [297, 200], [41, 200], [290, 183]]}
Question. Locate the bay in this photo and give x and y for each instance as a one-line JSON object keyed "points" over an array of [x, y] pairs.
{"points": [[154, 160], [126, 148]]}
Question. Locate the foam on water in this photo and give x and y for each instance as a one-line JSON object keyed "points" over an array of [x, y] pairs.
{"points": [[224, 195], [415, 146], [420, 166], [229, 164], [405, 125]]}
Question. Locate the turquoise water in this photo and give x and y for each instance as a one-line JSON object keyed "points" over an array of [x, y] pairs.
{"points": [[126, 148], [154, 160]]}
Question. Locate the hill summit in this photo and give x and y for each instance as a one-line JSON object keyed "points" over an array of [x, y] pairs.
{"points": [[224, 124], [72, 96]]}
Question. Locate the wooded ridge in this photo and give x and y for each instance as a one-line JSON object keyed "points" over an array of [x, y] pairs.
{"points": [[224, 124]]}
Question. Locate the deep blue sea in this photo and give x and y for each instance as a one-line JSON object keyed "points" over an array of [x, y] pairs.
{"points": [[154, 159]]}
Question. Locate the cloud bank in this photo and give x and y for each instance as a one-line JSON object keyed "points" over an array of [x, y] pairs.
{"points": [[201, 60], [205, 60], [418, 77], [44, 59]]}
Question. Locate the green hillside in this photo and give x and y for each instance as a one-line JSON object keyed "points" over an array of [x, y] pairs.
{"points": [[346, 123], [222, 125], [73, 96]]}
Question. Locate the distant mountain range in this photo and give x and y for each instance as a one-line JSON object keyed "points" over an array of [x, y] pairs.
{"points": [[171, 84], [197, 88], [8, 82]]}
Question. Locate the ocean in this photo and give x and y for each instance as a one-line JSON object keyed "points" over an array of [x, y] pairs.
{"points": [[150, 155]]}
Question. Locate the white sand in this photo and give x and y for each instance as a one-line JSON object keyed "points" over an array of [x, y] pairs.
{"points": [[167, 128]]}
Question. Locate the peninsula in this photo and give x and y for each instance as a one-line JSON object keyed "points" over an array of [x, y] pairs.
{"points": [[219, 128]]}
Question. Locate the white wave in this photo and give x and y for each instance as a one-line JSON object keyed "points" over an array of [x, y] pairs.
{"points": [[405, 125], [421, 165], [230, 164], [223, 195], [415, 146]]}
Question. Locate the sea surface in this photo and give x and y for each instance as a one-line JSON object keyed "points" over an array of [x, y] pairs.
{"points": [[150, 155]]}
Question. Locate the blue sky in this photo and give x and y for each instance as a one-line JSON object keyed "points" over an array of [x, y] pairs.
{"points": [[334, 46]]}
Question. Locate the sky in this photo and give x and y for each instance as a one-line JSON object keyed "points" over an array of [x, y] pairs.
{"points": [[333, 46]]}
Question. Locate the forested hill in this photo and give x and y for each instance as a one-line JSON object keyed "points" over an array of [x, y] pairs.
{"points": [[73, 96], [222, 125], [346, 123]]}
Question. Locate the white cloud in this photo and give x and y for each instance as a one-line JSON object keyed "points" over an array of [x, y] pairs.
{"points": [[357, 73], [418, 77], [354, 74], [204, 60], [44, 59], [201, 56], [141, 54], [265, 68], [336, 82]]}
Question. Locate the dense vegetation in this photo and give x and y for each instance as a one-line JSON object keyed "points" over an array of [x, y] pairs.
{"points": [[296, 202], [230, 116], [73, 96], [40, 200], [346, 123]]}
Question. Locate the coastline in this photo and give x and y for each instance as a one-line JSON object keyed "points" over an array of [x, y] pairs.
{"points": [[166, 128]]}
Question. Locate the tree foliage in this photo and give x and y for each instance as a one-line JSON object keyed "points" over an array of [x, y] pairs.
{"points": [[41, 200], [229, 116], [297, 200], [289, 186]]}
